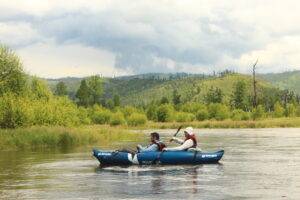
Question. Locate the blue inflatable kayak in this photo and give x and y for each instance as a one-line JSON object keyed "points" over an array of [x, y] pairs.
{"points": [[164, 158]]}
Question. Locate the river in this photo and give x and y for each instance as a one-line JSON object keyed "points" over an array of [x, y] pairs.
{"points": [[257, 164]]}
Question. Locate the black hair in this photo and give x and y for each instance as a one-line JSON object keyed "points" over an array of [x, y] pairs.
{"points": [[154, 134]]}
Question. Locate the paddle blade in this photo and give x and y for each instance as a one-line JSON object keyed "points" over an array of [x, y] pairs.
{"points": [[179, 128]]}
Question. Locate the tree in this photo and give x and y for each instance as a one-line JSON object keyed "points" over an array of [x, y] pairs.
{"points": [[176, 97], [218, 111], [61, 89], [12, 76], [116, 100], [40, 90], [278, 110], [238, 97], [290, 110], [164, 113], [254, 85], [151, 112], [214, 95], [95, 89], [83, 94], [164, 100]]}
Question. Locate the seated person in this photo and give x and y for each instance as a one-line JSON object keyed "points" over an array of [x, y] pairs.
{"points": [[155, 145], [189, 143]]}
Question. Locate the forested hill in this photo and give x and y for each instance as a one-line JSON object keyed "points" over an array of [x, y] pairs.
{"points": [[285, 80], [141, 89]]}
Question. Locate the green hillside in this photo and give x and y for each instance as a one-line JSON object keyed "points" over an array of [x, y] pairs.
{"points": [[192, 89], [285, 80], [140, 91]]}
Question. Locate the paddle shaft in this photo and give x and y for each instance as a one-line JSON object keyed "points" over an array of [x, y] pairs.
{"points": [[179, 128]]}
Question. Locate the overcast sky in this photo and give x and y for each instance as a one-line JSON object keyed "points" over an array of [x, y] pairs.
{"points": [[57, 38]]}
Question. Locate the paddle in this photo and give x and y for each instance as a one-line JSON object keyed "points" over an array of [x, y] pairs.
{"points": [[157, 158], [179, 128]]}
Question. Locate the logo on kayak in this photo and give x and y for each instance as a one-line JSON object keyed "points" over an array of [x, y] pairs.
{"points": [[104, 154], [209, 156]]}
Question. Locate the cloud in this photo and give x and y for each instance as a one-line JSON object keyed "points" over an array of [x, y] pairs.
{"points": [[53, 61], [191, 36]]}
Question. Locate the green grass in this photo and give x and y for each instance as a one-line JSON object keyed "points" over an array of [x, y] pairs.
{"points": [[265, 123], [38, 137]]}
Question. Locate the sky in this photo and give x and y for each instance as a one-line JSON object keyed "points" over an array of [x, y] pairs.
{"points": [[79, 38]]}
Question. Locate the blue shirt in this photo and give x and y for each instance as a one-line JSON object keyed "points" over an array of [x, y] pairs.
{"points": [[150, 148]]}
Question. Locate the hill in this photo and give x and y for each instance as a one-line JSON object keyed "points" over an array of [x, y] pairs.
{"points": [[142, 89], [285, 80], [194, 89]]}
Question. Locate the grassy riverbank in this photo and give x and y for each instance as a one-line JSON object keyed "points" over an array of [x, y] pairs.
{"points": [[266, 123], [38, 137]]}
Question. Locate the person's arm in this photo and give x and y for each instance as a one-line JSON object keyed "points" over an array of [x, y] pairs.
{"points": [[187, 144], [178, 140], [152, 147]]}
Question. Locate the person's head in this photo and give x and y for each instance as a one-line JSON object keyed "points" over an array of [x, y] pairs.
{"points": [[188, 132], [154, 136]]}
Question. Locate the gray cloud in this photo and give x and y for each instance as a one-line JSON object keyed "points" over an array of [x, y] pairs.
{"points": [[146, 42]]}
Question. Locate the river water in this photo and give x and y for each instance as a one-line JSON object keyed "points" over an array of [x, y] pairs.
{"points": [[257, 164]]}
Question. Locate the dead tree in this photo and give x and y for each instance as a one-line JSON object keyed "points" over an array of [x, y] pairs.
{"points": [[254, 85]]}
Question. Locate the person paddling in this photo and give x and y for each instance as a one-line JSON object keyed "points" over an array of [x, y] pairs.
{"points": [[155, 145], [189, 144]]}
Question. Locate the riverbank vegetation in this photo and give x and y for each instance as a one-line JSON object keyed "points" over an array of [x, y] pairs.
{"points": [[220, 102], [40, 137]]}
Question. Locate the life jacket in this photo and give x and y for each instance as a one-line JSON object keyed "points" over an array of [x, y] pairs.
{"points": [[192, 137], [159, 144]]}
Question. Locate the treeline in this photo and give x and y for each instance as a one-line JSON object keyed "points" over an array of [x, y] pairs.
{"points": [[27, 101]]}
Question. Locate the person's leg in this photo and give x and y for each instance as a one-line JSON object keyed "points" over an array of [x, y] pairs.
{"points": [[128, 150]]}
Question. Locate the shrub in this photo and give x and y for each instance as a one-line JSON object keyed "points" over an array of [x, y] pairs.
{"points": [[164, 113], [202, 114], [99, 115], [258, 113], [278, 110], [128, 111], [218, 111], [239, 114], [136, 119], [290, 110], [192, 107], [117, 119], [184, 117], [152, 112], [298, 111], [15, 111], [83, 116]]}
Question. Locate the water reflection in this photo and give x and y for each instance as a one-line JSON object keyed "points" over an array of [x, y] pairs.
{"points": [[258, 164], [177, 181]]}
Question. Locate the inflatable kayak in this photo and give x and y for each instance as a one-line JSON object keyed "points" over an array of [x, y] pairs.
{"points": [[159, 157]]}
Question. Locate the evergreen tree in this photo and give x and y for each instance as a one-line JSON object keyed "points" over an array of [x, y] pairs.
{"points": [[176, 97], [95, 89], [214, 95], [83, 94], [239, 96], [117, 100], [164, 100], [61, 89]]}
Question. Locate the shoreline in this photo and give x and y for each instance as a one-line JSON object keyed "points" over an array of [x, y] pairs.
{"points": [[227, 124], [57, 136]]}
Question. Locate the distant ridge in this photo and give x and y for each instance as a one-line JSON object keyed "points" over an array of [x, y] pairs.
{"points": [[143, 88], [286, 80]]}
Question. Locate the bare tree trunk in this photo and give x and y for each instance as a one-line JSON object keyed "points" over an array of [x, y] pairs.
{"points": [[254, 85]]}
